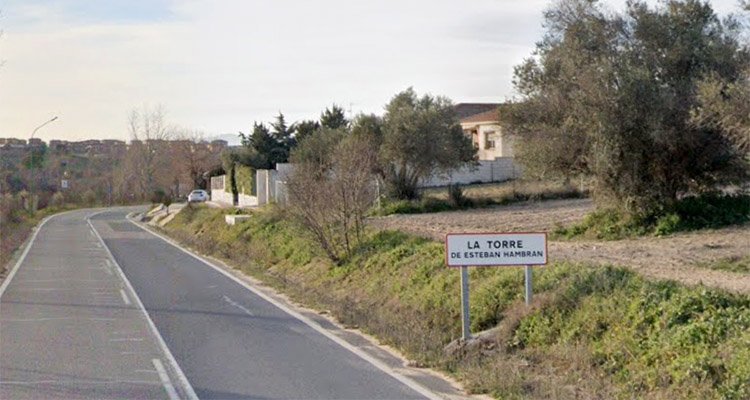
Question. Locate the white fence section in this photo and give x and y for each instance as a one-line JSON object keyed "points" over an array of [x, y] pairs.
{"points": [[271, 184], [497, 170]]}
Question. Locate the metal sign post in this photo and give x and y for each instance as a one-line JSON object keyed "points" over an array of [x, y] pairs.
{"points": [[465, 303], [527, 274]]}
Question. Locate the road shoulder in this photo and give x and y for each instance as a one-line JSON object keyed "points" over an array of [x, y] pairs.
{"points": [[388, 358]]}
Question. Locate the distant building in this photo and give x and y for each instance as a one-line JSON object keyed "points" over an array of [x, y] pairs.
{"points": [[480, 121]]}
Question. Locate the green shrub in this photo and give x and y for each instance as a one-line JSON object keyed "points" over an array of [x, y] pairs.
{"points": [[730, 264], [245, 180], [456, 197], [607, 224], [57, 200], [713, 211], [709, 211], [667, 224], [89, 198], [157, 196], [425, 205]]}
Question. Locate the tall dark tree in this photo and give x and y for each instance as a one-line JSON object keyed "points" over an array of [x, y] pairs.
{"points": [[305, 129], [262, 143], [334, 118], [614, 96], [268, 147], [283, 133]]}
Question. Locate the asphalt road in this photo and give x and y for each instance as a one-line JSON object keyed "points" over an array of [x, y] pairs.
{"points": [[69, 327], [72, 327]]}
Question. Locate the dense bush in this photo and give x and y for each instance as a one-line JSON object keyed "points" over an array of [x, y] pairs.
{"points": [[157, 196], [57, 200]]}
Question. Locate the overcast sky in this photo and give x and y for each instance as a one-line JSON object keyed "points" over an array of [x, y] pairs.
{"points": [[217, 65]]}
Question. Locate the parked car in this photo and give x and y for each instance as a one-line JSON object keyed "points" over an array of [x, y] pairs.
{"points": [[197, 196]]}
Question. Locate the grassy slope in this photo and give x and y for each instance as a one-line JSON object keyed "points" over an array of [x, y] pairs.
{"points": [[592, 331]]}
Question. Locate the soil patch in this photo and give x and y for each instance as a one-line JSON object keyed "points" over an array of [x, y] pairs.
{"points": [[678, 257]]}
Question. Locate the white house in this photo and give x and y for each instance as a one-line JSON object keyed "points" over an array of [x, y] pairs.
{"points": [[480, 122]]}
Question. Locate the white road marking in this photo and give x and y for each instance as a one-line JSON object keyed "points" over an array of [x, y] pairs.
{"points": [[341, 342], [127, 340], [189, 391], [124, 297], [238, 305], [165, 379]]}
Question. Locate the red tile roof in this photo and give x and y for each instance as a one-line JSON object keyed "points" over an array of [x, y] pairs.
{"points": [[465, 110], [487, 116]]}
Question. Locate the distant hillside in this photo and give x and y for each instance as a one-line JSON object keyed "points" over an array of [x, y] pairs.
{"points": [[232, 139]]}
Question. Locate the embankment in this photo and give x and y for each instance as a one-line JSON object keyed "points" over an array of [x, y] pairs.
{"points": [[592, 332]]}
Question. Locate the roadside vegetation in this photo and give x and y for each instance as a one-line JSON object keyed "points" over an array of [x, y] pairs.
{"points": [[17, 220], [648, 103], [462, 197], [709, 211], [740, 265], [592, 331]]}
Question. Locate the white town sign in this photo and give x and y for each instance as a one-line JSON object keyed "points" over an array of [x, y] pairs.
{"points": [[495, 249]]}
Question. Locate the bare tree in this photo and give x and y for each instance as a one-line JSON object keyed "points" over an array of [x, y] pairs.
{"points": [[149, 133], [332, 187], [194, 156]]}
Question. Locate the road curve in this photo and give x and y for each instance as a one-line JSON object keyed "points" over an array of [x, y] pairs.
{"points": [[201, 334]]}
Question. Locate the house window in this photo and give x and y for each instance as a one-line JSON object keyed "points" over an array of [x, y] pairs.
{"points": [[489, 140]]}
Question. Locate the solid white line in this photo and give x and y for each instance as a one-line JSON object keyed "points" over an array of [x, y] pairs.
{"points": [[312, 324], [13, 271], [190, 392], [124, 297], [165, 379]]}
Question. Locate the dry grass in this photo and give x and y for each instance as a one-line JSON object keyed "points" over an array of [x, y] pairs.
{"points": [[514, 190]]}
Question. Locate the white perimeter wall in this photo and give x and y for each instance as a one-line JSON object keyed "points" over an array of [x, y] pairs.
{"points": [[497, 170]]}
